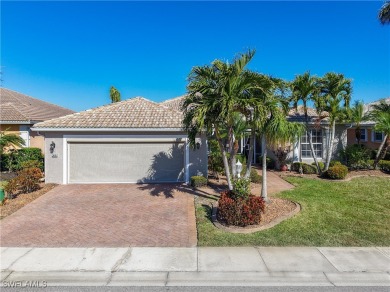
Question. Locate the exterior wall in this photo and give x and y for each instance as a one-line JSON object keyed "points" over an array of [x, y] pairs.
{"points": [[199, 158], [54, 163], [340, 143], [37, 141], [369, 143]]}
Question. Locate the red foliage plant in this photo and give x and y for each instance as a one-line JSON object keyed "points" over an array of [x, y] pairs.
{"points": [[240, 211]]}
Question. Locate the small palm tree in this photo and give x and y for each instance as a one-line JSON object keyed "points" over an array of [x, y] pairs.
{"points": [[10, 140], [115, 95], [357, 116], [304, 89], [380, 113], [335, 97], [384, 13]]}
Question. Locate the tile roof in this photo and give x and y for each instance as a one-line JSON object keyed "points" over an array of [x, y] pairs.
{"points": [[10, 113], [298, 115], [15, 105], [136, 112], [174, 103]]}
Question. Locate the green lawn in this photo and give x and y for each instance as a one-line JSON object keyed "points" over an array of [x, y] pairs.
{"points": [[353, 213]]}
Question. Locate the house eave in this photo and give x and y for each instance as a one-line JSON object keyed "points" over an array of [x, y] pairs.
{"points": [[107, 129]]}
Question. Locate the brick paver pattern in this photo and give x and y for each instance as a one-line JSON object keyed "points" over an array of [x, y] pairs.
{"points": [[104, 215]]}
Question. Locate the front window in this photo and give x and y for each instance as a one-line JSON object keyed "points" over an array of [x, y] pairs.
{"points": [[378, 136], [317, 144], [363, 134]]}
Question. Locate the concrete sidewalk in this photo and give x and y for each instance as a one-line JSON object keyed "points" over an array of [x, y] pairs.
{"points": [[202, 266]]}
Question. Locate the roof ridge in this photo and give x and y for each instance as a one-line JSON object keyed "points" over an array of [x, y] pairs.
{"points": [[175, 98]]}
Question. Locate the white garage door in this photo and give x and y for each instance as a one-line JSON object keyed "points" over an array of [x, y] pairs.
{"points": [[126, 162]]}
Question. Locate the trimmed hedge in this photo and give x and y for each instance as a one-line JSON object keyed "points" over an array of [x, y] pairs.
{"points": [[320, 164], [255, 177], [306, 168], [22, 158], [241, 211], [198, 181], [337, 172], [384, 165]]}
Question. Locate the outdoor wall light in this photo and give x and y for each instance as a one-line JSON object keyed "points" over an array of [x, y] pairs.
{"points": [[238, 168], [52, 147]]}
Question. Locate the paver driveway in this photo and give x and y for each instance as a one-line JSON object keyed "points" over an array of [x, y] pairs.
{"points": [[110, 215]]}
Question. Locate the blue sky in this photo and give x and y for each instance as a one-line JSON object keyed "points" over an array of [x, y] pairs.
{"points": [[70, 53]]}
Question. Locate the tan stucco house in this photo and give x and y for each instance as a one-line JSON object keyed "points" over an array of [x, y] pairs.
{"points": [[19, 112]]}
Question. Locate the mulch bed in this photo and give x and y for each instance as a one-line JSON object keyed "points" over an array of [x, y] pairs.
{"points": [[350, 175], [275, 209], [10, 206]]}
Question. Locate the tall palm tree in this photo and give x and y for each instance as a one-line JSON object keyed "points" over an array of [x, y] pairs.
{"points": [[384, 13], [276, 129], [357, 116], [335, 90], [215, 94], [305, 89], [115, 95], [7, 140], [380, 113]]}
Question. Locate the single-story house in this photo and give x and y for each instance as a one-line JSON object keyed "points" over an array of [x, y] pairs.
{"points": [[19, 112], [369, 137], [132, 141]]}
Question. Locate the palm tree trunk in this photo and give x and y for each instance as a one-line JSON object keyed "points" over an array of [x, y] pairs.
{"points": [[380, 154], [330, 147], [250, 153], [264, 193], [224, 159], [233, 161], [313, 153]]}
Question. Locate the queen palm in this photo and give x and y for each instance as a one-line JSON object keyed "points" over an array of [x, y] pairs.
{"points": [[304, 89], [215, 94], [380, 113], [115, 95], [357, 116], [384, 13], [276, 129], [7, 140], [334, 99]]}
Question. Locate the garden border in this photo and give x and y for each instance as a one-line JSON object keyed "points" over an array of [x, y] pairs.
{"points": [[252, 229]]}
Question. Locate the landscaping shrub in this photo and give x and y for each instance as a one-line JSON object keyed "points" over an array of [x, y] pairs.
{"points": [[374, 152], [8, 162], [356, 156], [320, 164], [241, 211], [27, 154], [334, 163], [337, 172], [198, 181], [215, 162], [241, 158], [255, 177], [32, 164], [306, 168], [11, 188], [384, 165], [271, 163], [241, 188], [28, 179]]}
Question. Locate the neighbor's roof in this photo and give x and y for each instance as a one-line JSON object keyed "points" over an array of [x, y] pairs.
{"points": [[136, 112], [298, 114], [17, 107], [174, 103]]}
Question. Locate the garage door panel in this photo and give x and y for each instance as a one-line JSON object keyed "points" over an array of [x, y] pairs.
{"points": [[126, 162]]}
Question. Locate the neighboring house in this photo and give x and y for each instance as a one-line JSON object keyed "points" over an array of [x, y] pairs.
{"points": [[133, 141], [19, 112], [369, 137]]}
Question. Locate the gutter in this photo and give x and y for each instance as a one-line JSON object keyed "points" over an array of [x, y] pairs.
{"points": [[107, 129]]}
